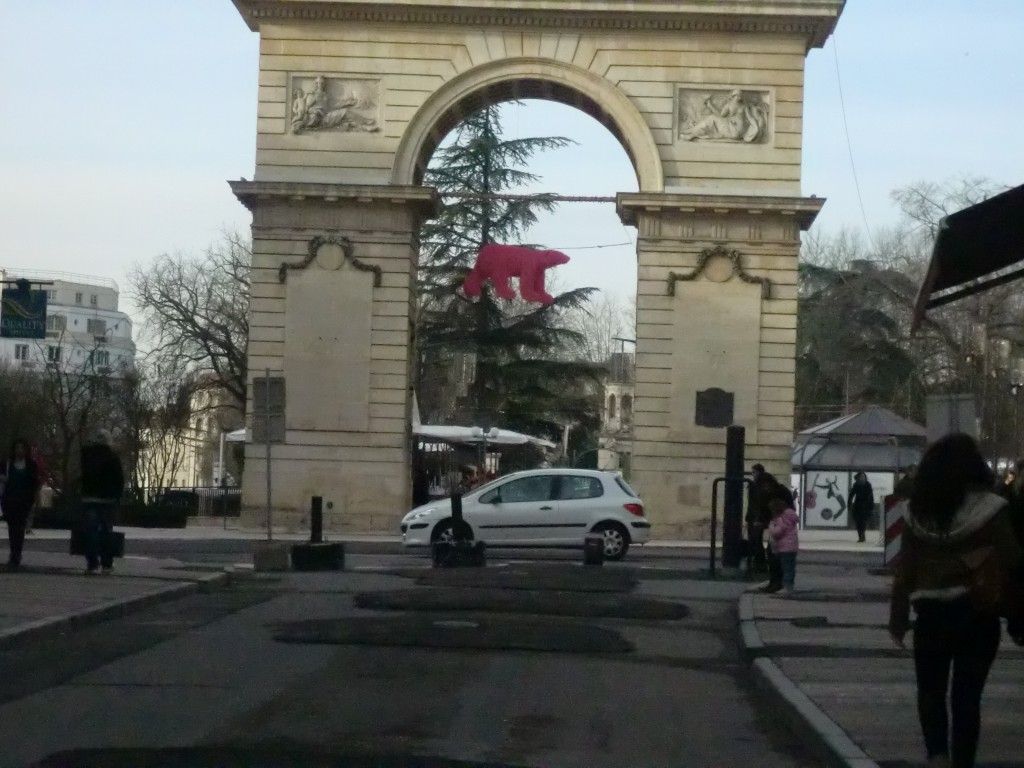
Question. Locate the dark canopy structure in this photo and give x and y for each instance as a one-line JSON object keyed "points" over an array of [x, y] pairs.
{"points": [[976, 249], [874, 439]]}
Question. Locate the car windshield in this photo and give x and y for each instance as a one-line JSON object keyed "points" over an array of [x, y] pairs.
{"points": [[490, 484]]}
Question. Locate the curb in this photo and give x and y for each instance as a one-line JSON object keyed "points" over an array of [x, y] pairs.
{"points": [[48, 627], [807, 718]]}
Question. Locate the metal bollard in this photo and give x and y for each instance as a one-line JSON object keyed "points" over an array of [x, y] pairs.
{"points": [[316, 520]]}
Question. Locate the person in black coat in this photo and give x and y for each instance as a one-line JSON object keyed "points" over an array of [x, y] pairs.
{"points": [[102, 485], [861, 503], [19, 477]]}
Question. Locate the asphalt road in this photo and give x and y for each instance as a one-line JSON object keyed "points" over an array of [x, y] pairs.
{"points": [[529, 662]]}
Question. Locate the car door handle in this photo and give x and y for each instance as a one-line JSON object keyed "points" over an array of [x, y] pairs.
{"points": [[546, 509]]}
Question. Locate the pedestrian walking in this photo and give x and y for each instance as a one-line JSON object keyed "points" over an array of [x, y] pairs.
{"points": [[960, 569], [861, 503], [19, 478], [102, 485], [784, 530]]}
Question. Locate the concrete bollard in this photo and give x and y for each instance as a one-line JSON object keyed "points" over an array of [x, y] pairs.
{"points": [[316, 520]]}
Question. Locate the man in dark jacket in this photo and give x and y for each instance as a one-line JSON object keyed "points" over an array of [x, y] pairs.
{"points": [[861, 503], [102, 485]]}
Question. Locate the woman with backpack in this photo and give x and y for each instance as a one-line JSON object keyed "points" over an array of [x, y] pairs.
{"points": [[960, 569]]}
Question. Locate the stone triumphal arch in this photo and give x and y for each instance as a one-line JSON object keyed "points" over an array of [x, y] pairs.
{"points": [[355, 95]]}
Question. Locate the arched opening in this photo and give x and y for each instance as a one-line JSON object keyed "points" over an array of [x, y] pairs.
{"points": [[611, 407], [627, 410], [527, 78], [458, 383]]}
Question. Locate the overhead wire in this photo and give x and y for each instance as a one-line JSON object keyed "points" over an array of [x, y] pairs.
{"points": [[849, 143]]}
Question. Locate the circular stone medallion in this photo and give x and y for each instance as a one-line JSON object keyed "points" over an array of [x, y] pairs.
{"points": [[719, 269], [330, 256]]}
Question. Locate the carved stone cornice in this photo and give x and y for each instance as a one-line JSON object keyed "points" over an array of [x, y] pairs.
{"points": [[252, 193], [631, 206], [812, 19], [314, 248], [720, 251]]}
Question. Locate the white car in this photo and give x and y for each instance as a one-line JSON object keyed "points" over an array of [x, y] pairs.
{"points": [[540, 508]]}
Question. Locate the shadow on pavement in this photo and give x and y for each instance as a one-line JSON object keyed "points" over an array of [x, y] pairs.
{"points": [[514, 633], [226, 757], [563, 578], [538, 603]]}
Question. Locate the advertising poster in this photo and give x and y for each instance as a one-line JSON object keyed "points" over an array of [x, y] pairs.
{"points": [[825, 495]]}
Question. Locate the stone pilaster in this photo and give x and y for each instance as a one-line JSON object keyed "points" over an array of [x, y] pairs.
{"points": [[716, 314], [332, 292]]}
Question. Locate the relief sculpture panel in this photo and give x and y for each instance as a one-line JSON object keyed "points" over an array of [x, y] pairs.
{"points": [[324, 103], [723, 115]]}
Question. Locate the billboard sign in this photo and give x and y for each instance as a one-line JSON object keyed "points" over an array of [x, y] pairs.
{"points": [[22, 313]]}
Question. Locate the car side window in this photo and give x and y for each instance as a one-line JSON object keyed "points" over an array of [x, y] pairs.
{"points": [[524, 489], [580, 487]]}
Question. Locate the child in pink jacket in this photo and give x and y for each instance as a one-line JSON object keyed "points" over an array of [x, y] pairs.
{"points": [[784, 534]]}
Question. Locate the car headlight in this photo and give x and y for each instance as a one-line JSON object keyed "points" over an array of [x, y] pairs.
{"points": [[417, 515]]}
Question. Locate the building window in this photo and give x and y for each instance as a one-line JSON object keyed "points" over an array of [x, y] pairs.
{"points": [[53, 354], [93, 300], [101, 357], [611, 407], [78, 298], [56, 323], [96, 327], [627, 409], [21, 351], [51, 295]]}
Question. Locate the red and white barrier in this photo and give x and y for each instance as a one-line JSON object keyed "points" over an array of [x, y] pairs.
{"points": [[895, 507]]}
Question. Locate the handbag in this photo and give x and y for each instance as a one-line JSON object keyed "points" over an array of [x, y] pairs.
{"points": [[987, 580]]}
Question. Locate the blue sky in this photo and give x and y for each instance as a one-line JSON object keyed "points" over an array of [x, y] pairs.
{"points": [[123, 119]]}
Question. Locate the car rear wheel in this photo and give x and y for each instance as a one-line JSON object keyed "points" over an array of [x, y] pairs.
{"points": [[616, 540]]}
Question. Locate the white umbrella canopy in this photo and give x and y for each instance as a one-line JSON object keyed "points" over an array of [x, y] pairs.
{"points": [[444, 433], [473, 436]]}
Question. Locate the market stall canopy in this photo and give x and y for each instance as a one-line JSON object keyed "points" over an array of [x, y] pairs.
{"points": [[859, 457], [871, 422], [875, 439], [976, 249]]}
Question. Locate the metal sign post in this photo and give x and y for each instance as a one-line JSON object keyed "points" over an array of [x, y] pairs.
{"points": [[266, 395]]}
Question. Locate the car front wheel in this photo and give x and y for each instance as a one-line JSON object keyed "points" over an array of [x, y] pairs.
{"points": [[443, 532], [616, 540]]}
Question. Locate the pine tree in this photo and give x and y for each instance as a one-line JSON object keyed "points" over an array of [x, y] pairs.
{"points": [[522, 377]]}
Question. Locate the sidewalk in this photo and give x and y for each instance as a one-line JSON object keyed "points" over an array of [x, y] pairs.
{"points": [[826, 652], [51, 592], [811, 541]]}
